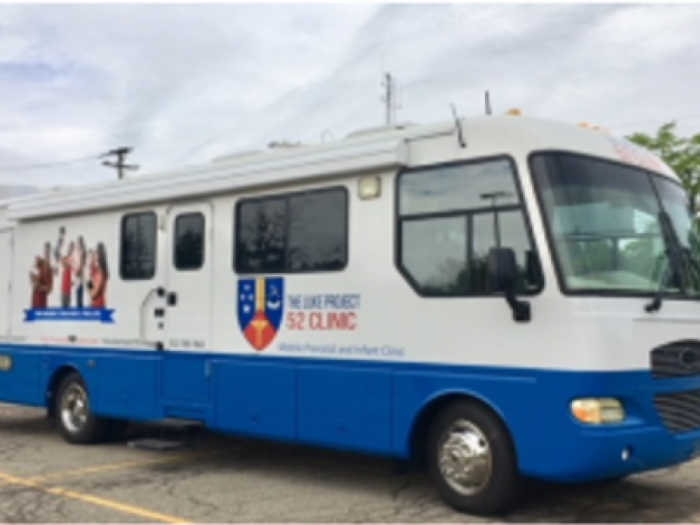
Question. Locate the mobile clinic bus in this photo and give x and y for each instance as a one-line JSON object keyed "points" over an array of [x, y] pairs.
{"points": [[500, 297]]}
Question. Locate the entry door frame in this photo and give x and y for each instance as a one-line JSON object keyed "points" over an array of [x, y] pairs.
{"points": [[185, 360]]}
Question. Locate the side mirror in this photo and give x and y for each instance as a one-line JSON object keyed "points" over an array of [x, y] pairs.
{"points": [[502, 272]]}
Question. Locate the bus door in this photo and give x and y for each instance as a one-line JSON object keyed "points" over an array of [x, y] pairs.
{"points": [[188, 289]]}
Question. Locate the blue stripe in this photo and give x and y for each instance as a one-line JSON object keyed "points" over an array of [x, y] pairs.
{"points": [[367, 406]]}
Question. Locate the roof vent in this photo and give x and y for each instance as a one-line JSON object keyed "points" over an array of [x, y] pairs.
{"points": [[283, 144], [239, 155]]}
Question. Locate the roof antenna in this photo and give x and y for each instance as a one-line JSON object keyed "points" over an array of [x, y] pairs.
{"points": [[488, 103], [458, 124]]}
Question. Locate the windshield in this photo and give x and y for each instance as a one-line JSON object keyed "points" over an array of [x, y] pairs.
{"points": [[605, 222]]}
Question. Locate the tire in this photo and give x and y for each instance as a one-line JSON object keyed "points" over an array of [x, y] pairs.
{"points": [[467, 429], [77, 424]]}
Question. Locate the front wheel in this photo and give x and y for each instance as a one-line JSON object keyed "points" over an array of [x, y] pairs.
{"points": [[78, 425], [472, 460]]}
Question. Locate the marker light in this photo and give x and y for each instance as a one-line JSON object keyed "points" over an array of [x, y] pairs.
{"points": [[514, 112], [5, 363], [598, 411], [369, 188]]}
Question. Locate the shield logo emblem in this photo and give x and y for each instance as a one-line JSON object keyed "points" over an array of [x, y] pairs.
{"points": [[260, 309]]}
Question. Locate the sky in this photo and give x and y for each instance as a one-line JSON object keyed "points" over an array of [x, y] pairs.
{"points": [[183, 84]]}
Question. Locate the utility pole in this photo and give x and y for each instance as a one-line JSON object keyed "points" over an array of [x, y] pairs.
{"points": [[121, 154], [389, 98]]}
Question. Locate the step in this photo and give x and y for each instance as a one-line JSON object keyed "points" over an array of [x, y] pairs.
{"points": [[158, 445], [178, 423]]}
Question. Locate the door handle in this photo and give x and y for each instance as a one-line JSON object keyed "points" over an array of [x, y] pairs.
{"points": [[172, 299]]}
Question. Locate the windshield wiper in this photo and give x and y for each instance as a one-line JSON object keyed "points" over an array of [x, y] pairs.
{"points": [[668, 234]]}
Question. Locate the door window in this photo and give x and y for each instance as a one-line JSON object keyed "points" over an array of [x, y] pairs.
{"points": [[189, 241]]}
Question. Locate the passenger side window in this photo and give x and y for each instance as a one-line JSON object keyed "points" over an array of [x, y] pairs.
{"points": [[449, 218], [294, 233], [138, 246]]}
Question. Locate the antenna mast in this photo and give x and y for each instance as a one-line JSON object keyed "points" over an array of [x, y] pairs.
{"points": [[390, 98]]}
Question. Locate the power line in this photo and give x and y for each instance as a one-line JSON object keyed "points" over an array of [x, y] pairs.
{"points": [[47, 165]]}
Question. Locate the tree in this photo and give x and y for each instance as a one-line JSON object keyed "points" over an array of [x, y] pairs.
{"points": [[680, 153]]}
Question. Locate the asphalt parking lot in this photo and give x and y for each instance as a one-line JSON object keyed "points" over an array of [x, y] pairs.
{"points": [[227, 479]]}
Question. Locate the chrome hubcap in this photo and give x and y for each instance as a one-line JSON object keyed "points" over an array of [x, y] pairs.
{"points": [[74, 408], [465, 458]]}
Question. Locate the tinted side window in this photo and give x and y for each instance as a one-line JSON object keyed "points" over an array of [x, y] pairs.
{"points": [[317, 232], [303, 232], [138, 246], [449, 219], [260, 236], [189, 242]]}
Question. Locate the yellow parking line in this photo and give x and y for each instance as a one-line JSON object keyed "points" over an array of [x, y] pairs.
{"points": [[120, 466], [86, 498]]}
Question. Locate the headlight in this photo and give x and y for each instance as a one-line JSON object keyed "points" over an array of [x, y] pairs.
{"points": [[5, 363], [598, 411]]}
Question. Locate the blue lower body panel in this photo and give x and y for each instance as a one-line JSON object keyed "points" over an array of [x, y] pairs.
{"points": [[347, 407], [25, 383], [368, 406], [255, 399]]}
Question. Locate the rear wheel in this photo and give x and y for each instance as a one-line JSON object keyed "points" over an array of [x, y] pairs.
{"points": [[472, 460], [77, 424]]}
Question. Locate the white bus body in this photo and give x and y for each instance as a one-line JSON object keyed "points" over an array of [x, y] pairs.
{"points": [[348, 295]]}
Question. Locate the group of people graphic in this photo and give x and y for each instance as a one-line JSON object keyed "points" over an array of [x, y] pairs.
{"points": [[78, 268]]}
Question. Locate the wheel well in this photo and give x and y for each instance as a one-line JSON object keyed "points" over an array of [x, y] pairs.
{"points": [[423, 423], [55, 382]]}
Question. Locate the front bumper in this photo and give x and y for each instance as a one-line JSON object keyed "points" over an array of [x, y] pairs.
{"points": [[568, 451], [612, 454]]}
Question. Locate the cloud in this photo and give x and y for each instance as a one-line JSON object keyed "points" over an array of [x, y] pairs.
{"points": [[185, 83]]}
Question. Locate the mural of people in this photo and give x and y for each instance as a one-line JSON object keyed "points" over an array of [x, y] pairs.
{"points": [[42, 279], [79, 264], [99, 274], [67, 276], [57, 249], [91, 268], [80, 268], [38, 298]]}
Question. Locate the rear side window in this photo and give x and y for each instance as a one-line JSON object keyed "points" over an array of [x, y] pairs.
{"points": [[138, 246], [294, 233]]}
